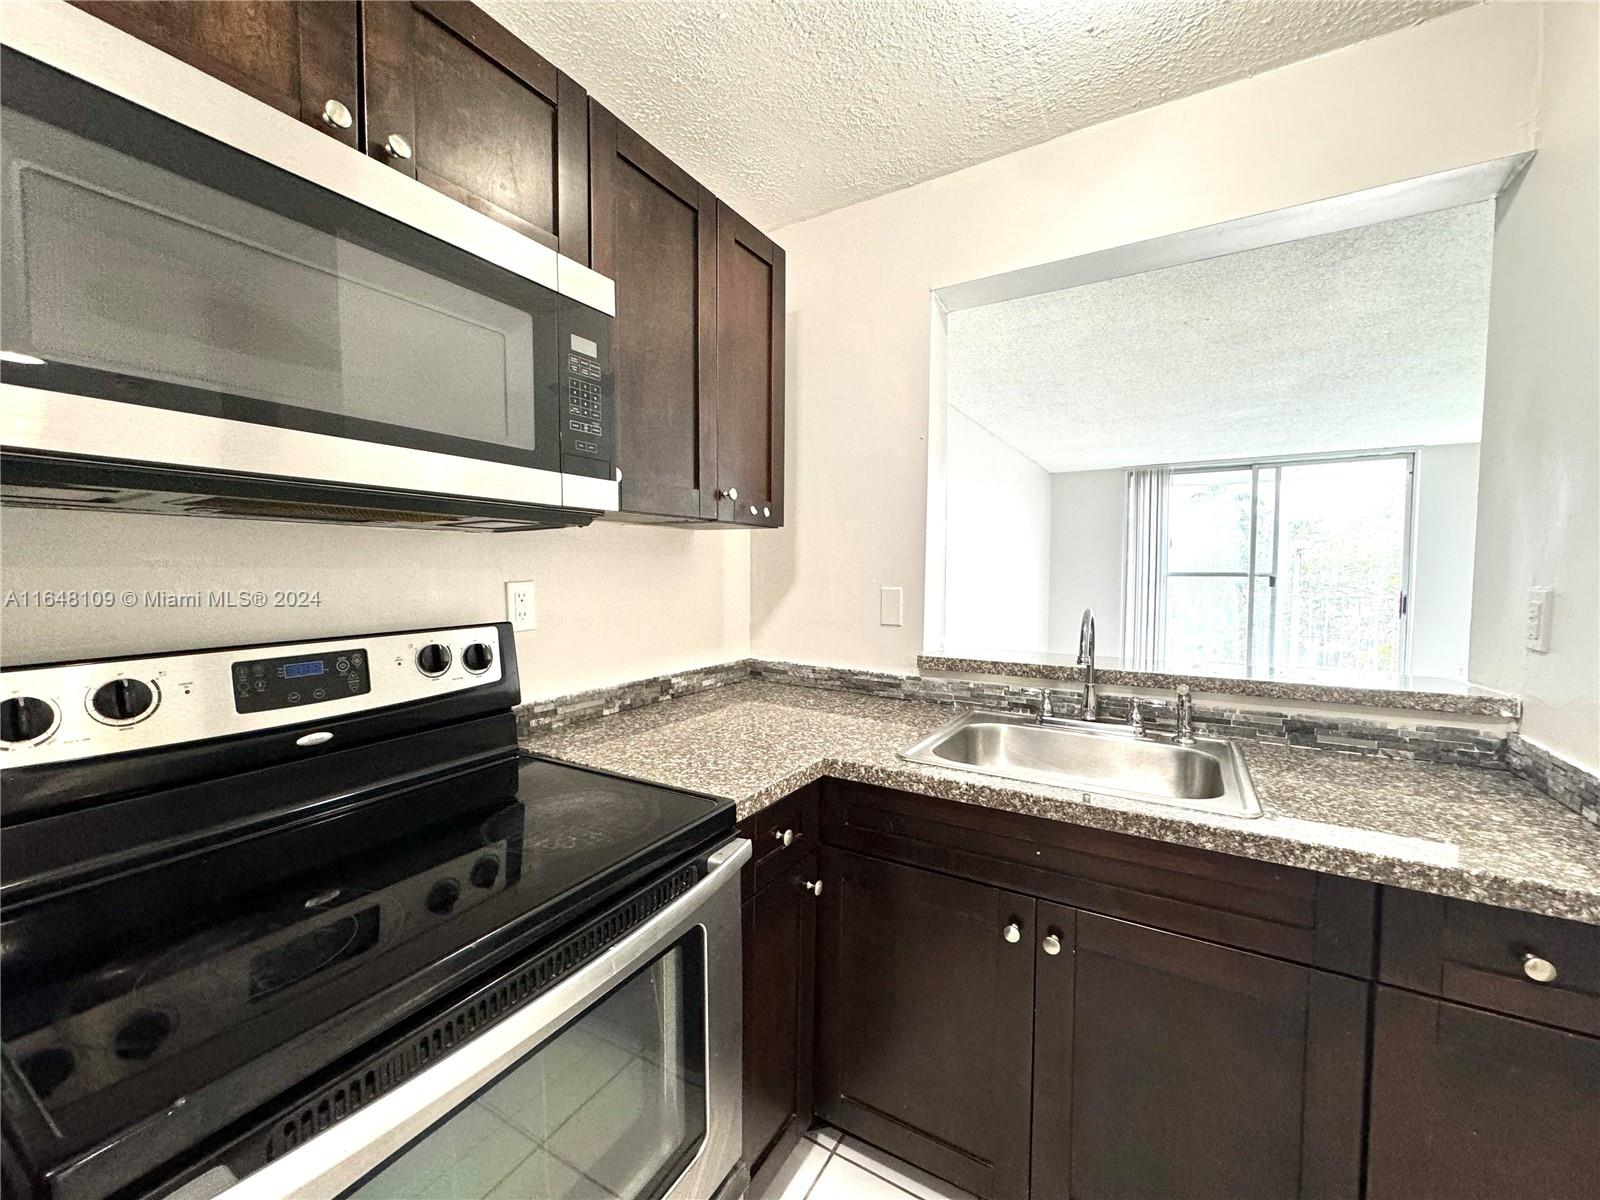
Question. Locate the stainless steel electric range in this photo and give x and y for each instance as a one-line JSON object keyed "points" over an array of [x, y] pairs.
{"points": [[300, 920]]}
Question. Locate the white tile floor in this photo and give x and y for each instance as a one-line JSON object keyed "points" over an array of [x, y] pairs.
{"points": [[829, 1166]]}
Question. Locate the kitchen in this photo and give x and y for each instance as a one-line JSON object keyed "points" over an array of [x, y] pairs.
{"points": [[635, 286]]}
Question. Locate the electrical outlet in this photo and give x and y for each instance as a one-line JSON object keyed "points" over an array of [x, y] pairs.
{"points": [[891, 606], [1539, 602], [521, 610]]}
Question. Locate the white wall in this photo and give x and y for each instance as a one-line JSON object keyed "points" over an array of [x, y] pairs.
{"points": [[614, 602], [997, 544], [1449, 92], [1088, 523], [1442, 556], [1539, 485]]}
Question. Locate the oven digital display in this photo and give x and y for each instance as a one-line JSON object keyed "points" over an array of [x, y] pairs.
{"points": [[264, 684]]}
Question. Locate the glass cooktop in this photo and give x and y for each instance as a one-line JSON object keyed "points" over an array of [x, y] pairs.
{"points": [[124, 996]]}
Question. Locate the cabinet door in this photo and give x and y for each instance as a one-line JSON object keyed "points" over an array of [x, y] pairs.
{"points": [[655, 234], [926, 1019], [1172, 1067], [296, 55], [749, 391], [1472, 1105], [457, 102], [780, 925]]}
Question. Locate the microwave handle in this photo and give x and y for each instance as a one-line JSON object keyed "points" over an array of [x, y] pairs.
{"points": [[332, 1161]]}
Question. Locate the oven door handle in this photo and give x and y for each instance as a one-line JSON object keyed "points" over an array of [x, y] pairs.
{"points": [[337, 1159]]}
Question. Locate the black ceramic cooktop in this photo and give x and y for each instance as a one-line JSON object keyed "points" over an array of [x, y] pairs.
{"points": [[127, 994]]}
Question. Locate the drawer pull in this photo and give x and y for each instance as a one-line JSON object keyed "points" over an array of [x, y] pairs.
{"points": [[786, 836], [1012, 933], [1051, 944], [1540, 970], [397, 146], [814, 887]]}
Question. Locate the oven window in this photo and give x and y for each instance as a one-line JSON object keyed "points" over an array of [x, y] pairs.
{"points": [[613, 1106], [145, 263]]}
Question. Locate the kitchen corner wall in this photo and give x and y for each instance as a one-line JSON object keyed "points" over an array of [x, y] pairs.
{"points": [[862, 348], [1539, 476], [614, 602]]}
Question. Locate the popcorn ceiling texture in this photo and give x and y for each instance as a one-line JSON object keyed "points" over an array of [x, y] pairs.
{"points": [[1195, 362], [791, 108]]}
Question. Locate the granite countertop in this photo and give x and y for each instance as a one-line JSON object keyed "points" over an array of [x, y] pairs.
{"points": [[1464, 832]]}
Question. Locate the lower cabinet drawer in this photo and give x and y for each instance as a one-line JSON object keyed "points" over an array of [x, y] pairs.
{"points": [[1472, 1105], [1320, 920], [1540, 968]]}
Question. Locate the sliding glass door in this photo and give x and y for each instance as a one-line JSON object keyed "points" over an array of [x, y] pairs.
{"points": [[1288, 567]]}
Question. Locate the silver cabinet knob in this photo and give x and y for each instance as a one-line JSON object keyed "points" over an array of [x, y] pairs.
{"points": [[1051, 944], [729, 494], [1540, 970], [786, 836], [752, 510], [397, 146], [766, 510], [1012, 932], [814, 887], [337, 115]]}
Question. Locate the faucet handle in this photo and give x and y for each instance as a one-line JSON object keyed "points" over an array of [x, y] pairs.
{"points": [[1136, 718]]}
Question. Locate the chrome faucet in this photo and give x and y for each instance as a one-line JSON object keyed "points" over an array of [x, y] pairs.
{"points": [[1091, 697], [1185, 716]]}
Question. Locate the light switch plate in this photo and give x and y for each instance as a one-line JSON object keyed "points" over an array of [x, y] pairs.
{"points": [[1540, 600], [891, 606], [521, 609]]}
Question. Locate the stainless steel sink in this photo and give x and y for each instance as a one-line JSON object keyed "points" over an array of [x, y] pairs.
{"points": [[1209, 775]]}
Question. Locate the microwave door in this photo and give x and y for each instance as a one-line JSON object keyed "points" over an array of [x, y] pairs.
{"points": [[268, 325]]}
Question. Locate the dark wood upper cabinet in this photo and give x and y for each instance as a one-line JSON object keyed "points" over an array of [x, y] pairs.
{"points": [[655, 234], [750, 373], [1474, 1105], [296, 55], [925, 1019], [1167, 1066], [459, 103]]}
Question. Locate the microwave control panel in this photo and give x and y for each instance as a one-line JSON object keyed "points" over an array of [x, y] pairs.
{"points": [[588, 429]]}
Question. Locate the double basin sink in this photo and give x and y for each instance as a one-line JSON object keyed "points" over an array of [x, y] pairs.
{"points": [[1209, 775]]}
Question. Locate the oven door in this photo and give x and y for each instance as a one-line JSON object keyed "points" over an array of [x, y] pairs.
{"points": [[622, 1081], [194, 281]]}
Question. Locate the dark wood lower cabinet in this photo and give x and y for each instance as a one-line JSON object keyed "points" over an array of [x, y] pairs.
{"points": [[1169, 1067], [1062, 1046], [780, 925], [1474, 1105], [925, 1019]]}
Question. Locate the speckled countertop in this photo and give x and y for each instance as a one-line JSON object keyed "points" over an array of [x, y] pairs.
{"points": [[1457, 831]]}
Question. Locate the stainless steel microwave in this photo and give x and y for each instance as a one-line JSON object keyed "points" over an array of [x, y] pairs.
{"points": [[209, 308]]}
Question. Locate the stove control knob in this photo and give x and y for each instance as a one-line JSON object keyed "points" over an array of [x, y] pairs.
{"points": [[25, 719], [442, 896], [433, 660], [122, 700], [485, 871], [477, 657]]}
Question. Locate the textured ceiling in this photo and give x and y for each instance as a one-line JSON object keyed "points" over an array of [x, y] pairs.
{"points": [[789, 108], [1351, 341]]}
